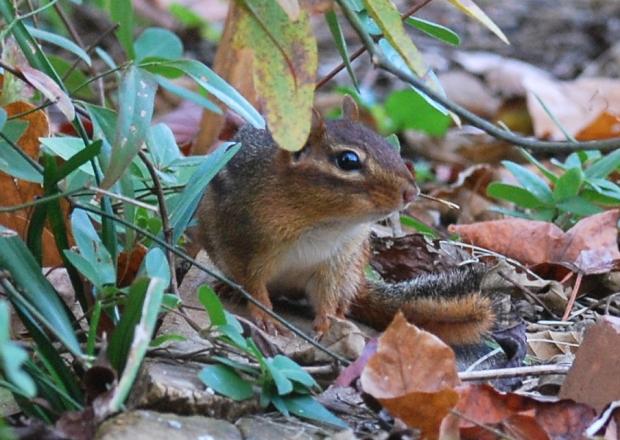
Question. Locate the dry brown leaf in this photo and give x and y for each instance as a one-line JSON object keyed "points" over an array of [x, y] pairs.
{"points": [[547, 344], [413, 375], [15, 192], [593, 378], [590, 246], [518, 416], [587, 108]]}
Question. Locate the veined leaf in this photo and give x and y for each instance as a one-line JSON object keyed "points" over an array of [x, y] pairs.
{"points": [[284, 67]]}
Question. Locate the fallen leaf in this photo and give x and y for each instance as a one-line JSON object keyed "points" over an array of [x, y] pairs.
{"points": [[15, 192], [481, 407], [413, 375], [587, 108], [593, 377], [590, 246], [547, 344]]}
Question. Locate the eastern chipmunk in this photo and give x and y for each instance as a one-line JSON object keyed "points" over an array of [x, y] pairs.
{"points": [[284, 223]]}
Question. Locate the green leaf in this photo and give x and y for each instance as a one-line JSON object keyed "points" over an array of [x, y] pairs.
{"points": [[387, 17], [293, 371], [188, 200], [136, 98], [156, 265], [214, 84], [187, 94], [553, 178], [75, 79], [568, 185], [12, 162], [237, 365], [122, 13], [434, 30], [79, 159], [530, 181], [122, 336], [341, 44], [142, 334], [604, 166], [514, 194], [309, 408], [159, 43], [283, 384], [67, 148], [419, 226], [163, 339], [3, 117], [37, 291], [212, 304], [408, 110], [601, 198], [226, 381], [91, 249], [580, 206], [12, 357], [60, 41]]}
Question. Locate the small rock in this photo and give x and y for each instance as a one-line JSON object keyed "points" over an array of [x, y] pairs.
{"points": [[150, 425]]}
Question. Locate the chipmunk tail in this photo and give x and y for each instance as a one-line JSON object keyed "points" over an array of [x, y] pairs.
{"points": [[448, 304]]}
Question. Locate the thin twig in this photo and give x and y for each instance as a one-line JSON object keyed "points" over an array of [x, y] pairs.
{"points": [[534, 370], [123, 198], [165, 219], [533, 144], [573, 297]]}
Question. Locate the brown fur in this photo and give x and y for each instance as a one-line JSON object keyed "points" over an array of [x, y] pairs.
{"points": [[278, 222]]}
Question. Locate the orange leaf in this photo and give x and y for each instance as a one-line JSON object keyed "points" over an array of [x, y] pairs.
{"points": [[413, 374], [591, 245], [16, 191]]}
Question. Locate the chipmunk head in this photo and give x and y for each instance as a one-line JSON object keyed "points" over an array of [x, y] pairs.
{"points": [[348, 171]]}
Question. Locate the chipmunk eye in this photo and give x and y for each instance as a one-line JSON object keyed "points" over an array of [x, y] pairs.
{"points": [[348, 160]]}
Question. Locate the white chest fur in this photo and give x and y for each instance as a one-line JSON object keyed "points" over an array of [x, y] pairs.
{"points": [[298, 262]]}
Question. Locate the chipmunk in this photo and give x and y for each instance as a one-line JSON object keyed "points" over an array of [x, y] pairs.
{"points": [[288, 223]]}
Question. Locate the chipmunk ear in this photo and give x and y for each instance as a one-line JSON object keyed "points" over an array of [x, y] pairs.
{"points": [[349, 108], [317, 127]]}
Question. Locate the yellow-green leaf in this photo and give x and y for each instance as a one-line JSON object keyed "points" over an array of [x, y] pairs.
{"points": [[284, 67], [471, 9], [291, 7], [388, 19]]}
